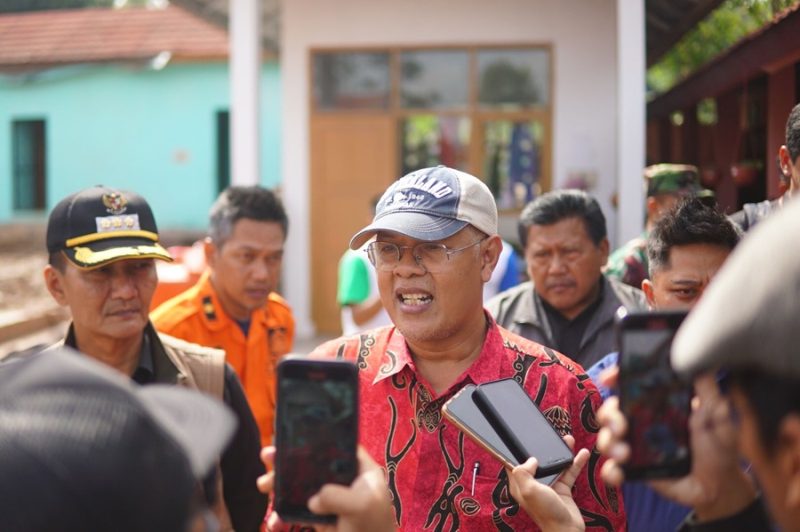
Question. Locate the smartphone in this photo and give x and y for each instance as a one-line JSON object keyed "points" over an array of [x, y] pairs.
{"points": [[522, 426], [653, 398], [316, 433], [462, 411]]}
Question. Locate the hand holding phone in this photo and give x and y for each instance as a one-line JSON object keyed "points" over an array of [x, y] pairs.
{"points": [[316, 432], [654, 400]]}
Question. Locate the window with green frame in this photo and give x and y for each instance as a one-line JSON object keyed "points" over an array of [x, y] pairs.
{"points": [[29, 164]]}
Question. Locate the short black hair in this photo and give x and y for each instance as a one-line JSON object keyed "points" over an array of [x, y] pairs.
{"points": [[552, 207], [691, 222], [793, 133], [57, 261], [771, 397], [239, 202]]}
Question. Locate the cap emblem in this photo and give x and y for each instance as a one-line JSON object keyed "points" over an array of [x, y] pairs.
{"points": [[115, 203], [106, 224]]}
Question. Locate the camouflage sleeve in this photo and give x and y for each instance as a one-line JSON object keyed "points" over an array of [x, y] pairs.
{"points": [[629, 264]]}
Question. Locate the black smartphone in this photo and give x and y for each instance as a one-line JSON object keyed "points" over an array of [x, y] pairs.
{"points": [[316, 432], [653, 398], [522, 426], [462, 411]]}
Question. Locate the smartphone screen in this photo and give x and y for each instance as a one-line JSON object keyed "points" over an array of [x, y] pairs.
{"points": [[655, 401], [522, 426], [462, 411], [316, 432]]}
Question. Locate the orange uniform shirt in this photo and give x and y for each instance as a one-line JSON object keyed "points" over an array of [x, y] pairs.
{"points": [[197, 316]]}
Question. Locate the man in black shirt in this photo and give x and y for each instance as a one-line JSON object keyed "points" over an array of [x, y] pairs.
{"points": [[568, 304]]}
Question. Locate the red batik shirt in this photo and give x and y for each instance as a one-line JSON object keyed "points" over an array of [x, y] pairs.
{"points": [[430, 463]]}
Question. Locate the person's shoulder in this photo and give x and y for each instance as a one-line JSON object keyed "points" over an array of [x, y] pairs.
{"points": [[564, 377], [628, 296], [275, 300], [190, 349], [350, 347], [23, 354], [176, 310], [546, 357], [608, 361], [206, 365], [632, 249], [510, 296], [739, 218], [633, 246], [753, 213]]}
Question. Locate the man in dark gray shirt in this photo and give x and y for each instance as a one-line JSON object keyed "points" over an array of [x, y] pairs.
{"points": [[568, 304]]}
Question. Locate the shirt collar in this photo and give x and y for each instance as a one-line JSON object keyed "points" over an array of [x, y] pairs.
{"points": [[529, 308], [215, 317], [145, 372], [396, 357], [553, 313]]}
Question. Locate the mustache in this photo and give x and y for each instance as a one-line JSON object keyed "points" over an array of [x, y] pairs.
{"points": [[119, 310], [559, 284]]}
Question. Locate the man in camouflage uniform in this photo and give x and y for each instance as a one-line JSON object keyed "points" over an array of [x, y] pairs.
{"points": [[666, 184]]}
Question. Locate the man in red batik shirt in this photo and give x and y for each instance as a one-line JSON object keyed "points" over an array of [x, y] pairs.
{"points": [[435, 246]]}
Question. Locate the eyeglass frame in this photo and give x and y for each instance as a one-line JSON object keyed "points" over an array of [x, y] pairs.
{"points": [[371, 254]]}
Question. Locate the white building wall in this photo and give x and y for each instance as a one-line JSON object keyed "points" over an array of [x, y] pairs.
{"points": [[581, 32]]}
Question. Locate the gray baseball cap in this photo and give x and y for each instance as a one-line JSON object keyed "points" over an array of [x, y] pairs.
{"points": [[432, 204], [748, 317]]}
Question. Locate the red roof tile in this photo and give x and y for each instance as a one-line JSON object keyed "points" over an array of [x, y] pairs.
{"points": [[47, 38]]}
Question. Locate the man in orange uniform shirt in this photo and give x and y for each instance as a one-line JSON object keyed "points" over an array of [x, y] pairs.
{"points": [[234, 305]]}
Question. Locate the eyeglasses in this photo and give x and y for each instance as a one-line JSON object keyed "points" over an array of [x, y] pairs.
{"points": [[385, 256]]}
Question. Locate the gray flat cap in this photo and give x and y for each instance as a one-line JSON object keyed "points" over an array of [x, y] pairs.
{"points": [[750, 314]]}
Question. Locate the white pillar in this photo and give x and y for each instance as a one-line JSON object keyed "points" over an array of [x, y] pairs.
{"points": [[631, 107], [295, 163], [245, 75]]}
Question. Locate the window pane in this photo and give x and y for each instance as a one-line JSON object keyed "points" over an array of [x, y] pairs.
{"points": [[428, 140], [513, 155], [434, 79], [28, 153], [514, 77], [351, 80], [223, 150]]}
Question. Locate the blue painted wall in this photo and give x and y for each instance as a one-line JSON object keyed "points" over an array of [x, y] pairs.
{"points": [[149, 131]]}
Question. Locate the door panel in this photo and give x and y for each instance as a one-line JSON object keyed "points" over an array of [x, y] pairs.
{"points": [[352, 160]]}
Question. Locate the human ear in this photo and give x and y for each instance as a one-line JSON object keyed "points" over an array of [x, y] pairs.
{"points": [[490, 254], [652, 208], [210, 251], [647, 288], [604, 249], [54, 282], [785, 161], [789, 458]]}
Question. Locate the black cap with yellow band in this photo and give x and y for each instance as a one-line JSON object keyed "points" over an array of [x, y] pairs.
{"points": [[100, 225]]}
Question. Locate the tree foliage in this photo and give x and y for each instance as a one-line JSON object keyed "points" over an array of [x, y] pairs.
{"points": [[722, 28]]}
